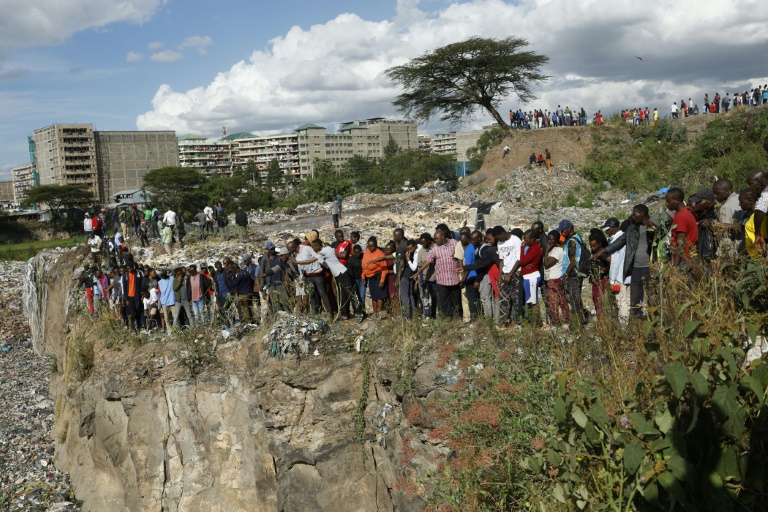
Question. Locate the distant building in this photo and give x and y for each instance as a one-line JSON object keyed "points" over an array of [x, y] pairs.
{"points": [[23, 180], [105, 161], [7, 199], [283, 147], [366, 139], [464, 141], [66, 155], [296, 152], [124, 158], [206, 155], [444, 143], [425, 143]]}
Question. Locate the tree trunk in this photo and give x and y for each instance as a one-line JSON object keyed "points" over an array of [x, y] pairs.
{"points": [[500, 120]]}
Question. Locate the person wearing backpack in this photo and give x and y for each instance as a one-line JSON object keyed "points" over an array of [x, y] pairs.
{"points": [[575, 267]]}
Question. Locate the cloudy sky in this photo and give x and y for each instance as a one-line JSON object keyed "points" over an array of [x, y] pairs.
{"points": [[265, 67]]}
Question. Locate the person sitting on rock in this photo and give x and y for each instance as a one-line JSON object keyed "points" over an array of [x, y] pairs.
{"points": [[540, 160], [532, 159]]}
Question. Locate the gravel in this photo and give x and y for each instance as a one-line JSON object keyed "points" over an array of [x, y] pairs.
{"points": [[28, 479]]}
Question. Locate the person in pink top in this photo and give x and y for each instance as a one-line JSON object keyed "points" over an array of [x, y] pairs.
{"points": [[446, 277]]}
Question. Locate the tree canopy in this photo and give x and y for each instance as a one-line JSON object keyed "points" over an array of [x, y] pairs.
{"points": [[454, 80], [177, 187], [57, 197]]}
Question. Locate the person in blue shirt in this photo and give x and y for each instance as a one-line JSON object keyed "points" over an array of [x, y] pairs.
{"points": [[469, 278], [167, 299]]}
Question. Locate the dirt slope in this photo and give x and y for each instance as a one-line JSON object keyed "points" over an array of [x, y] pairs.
{"points": [[569, 146]]}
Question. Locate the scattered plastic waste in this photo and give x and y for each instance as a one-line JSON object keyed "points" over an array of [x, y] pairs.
{"points": [[293, 333]]}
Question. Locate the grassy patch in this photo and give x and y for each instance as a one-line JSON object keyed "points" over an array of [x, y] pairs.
{"points": [[24, 251], [648, 157]]}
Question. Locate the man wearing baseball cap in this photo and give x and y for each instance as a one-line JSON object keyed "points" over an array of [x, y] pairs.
{"points": [[572, 278], [619, 284]]}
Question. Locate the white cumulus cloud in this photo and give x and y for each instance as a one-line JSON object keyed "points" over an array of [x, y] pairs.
{"points": [[199, 43], [29, 23], [333, 72], [166, 56], [155, 45], [134, 57]]}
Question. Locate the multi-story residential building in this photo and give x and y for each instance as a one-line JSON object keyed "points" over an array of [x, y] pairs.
{"points": [[444, 143], [356, 138], [66, 155], [206, 155], [123, 158], [283, 147], [425, 143], [23, 180]]}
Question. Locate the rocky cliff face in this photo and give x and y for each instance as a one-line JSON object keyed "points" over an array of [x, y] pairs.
{"points": [[248, 433]]}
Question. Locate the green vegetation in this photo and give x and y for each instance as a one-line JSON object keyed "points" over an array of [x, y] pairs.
{"points": [[489, 139], [178, 187], [24, 251], [663, 414], [58, 197], [648, 157], [383, 176]]}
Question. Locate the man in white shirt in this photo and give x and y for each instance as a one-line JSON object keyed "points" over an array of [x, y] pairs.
{"points": [[345, 286], [313, 274], [508, 247], [673, 110], [169, 219], [94, 241], [619, 286], [209, 224]]}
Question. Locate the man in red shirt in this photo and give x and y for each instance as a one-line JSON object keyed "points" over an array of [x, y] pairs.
{"points": [[685, 230]]}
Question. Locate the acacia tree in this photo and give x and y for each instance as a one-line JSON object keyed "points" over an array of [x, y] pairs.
{"points": [[177, 187], [455, 80], [56, 197]]}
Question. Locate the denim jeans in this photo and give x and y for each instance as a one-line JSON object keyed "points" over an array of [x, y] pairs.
{"points": [[198, 310]]}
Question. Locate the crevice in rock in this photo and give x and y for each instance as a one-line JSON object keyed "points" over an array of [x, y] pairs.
{"points": [[300, 387]]}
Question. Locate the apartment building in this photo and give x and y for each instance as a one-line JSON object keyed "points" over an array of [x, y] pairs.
{"points": [[66, 155], [23, 178], [124, 157], [355, 138], [206, 155], [283, 147], [444, 143]]}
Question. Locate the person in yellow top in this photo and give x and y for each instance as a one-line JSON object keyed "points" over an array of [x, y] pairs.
{"points": [[747, 200], [655, 114]]}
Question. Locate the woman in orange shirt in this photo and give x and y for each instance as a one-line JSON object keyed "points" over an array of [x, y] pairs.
{"points": [[375, 274]]}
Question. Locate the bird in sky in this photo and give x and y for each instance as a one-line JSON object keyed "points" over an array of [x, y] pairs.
{"points": [[638, 58]]}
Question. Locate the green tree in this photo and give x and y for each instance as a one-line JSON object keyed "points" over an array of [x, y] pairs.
{"points": [[326, 182], [455, 80], [274, 174], [177, 187], [224, 190], [251, 173], [391, 149], [57, 197], [486, 141], [256, 198]]}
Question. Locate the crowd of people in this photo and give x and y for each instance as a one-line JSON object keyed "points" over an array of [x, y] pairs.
{"points": [[501, 274], [542, 118]]}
